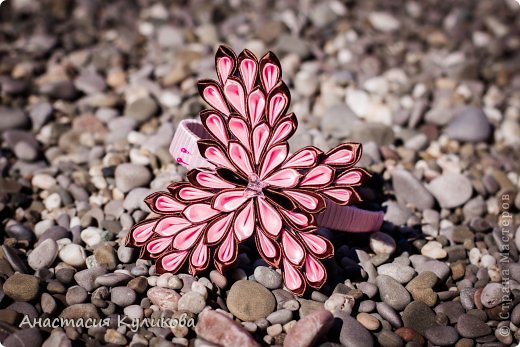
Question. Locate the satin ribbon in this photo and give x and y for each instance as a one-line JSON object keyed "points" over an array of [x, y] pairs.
{"points": [[336, 217]]}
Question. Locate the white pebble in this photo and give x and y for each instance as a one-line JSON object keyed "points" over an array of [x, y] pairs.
{"points": [[43, 181], [53, 201], [91, 236], [73, 254]]}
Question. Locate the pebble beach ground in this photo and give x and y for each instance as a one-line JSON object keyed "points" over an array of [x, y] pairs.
{"points": [[92, 91]]}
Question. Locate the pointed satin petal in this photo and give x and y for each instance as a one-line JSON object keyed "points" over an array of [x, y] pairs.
{"points": [[277, 105], [240, 157], [270, 74], [314, 271], [210, 180], [248, 69], [320, 175], [273, 158], [293, 279], [218, 228], [315, 243], [199, 258], [227, 250], [158, 245], [256, 106], [238, 127], [235, 95], [141, 233], [173, 261], [187, 238], [216, 125], [304, 158], [211, 93], [230, 200], [285, 178], [352, 177], [199, 212], [292, 249], [166, 203], [339, 195], [297, 218], [171, 225], [192, 193], [259, 139], [245, 222], [269, 217]]}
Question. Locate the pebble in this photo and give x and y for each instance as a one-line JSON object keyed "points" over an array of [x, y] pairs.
{"points": [[442, 335], [471, 327], [28, 337], [383, 21], [141, 109], [400, 273], [216, 328], [80, 311], [218, 279], [433, 249], [282, 316], [87, 278], [410, 335], [382, 243], [267, 277], [192, 302], [165, 299], [12, 118], [134, 312], [492, 295], [129, 176], [249, 301], [43, 255], [410, 190], [92, 236], [388, 313], [451, 190], [73, 254], [368, 321], [352, 333], [338, 301], [21, 287], [392, 292], [418, 316], [122, 296], [76, 295], [469, 124]]}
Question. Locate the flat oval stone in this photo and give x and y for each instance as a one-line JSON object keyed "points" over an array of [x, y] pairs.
{"points": [[249, 301], [392, 292], [442, 335], [471, 327]]}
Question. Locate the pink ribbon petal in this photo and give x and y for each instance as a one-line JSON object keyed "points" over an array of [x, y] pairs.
{"points": [[171, 225], [173, 261], [199, 212], [269, 217], [187, 238], [229, 200], [245, 222], [292, 249]]}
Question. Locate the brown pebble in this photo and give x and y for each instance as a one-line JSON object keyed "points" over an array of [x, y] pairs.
{"points": [[410, 335], [368, 321]]}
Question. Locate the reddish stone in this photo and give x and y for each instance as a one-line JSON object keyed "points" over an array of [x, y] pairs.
{"points": [[309, 329], [221, 330], [410, 335], [166, 299]]}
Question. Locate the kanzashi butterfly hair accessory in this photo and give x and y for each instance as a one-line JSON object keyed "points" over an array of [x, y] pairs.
{"points": [[244, 183]]}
